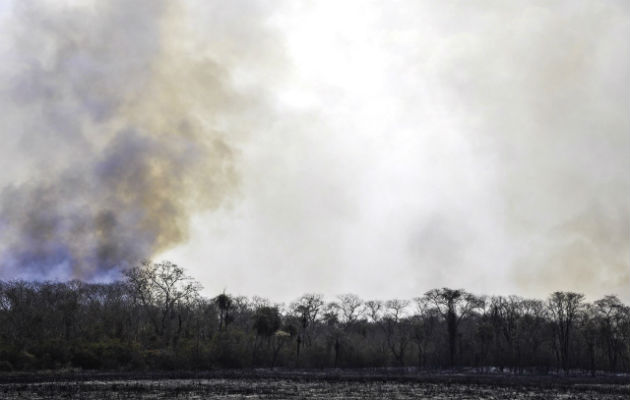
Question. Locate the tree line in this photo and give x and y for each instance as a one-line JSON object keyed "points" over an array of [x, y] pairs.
{"points": [[156, 319]]}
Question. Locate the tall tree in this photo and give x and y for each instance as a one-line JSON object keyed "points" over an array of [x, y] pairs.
{"points": [[563, 308], [610, 315], [397, 328], [162, 287], [224, 302], [453, 305]]}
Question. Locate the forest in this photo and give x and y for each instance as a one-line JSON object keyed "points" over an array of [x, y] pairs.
{"points": [[156, 319]]}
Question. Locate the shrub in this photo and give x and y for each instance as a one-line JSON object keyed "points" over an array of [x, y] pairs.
{"points": [[229, 349], [85, 358], [161, 359], [5, 366]]}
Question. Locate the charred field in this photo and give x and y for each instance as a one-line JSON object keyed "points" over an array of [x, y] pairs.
{"points": [[329, 384]]}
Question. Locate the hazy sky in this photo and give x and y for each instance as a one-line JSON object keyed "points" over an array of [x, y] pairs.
{"points": [[382, 148]]}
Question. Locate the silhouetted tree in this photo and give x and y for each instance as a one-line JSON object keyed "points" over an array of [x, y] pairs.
{"points": [[610, 313], [155, 318], [564, 308], [453, 305], [224, 302], [163, 287]]}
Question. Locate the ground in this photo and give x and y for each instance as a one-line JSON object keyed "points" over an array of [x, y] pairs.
{"points": [[329, 385]]}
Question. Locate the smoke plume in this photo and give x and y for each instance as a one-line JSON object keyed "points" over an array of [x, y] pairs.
{"points": [[119, 116], [358, 147]]}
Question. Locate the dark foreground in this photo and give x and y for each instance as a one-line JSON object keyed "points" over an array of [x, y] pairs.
{"points": [[300, 385]]}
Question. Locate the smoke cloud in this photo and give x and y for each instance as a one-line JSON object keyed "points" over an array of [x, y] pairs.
{"points": [[277, 148], [437, 144], [115, 115]]}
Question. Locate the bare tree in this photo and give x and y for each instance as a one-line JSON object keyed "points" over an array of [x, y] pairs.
{"points": [[587, 322], [453, 305], [21, 314], [306, 309], [350, 305], [505, 315], [155, 319], [423, 326], [162, 286], [563, 308], [609, 312], [374, 310], [397, 328], [532, 326]]}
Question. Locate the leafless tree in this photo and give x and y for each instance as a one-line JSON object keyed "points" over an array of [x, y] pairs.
{"points": [[453, 305], [505, 315], [350, 305], [162, 286], [609, 313], [374, 310], [306, 309], [564, 308], [397, 328]]}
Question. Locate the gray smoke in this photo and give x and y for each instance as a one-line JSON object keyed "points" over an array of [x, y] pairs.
{"points": [[115, 122]]}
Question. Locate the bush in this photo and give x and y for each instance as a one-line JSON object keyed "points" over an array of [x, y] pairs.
{"points": [[85, 358], [316, 356], [5, 366], [161, 359], [193, 355], [229, 349], [115, 354], [109, 354], [51, 354]]}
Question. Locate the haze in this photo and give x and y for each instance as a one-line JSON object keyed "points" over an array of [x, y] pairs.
{"points": [[378, 148]]}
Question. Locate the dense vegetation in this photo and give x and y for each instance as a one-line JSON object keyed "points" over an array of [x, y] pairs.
{"points": [[156, 319]]}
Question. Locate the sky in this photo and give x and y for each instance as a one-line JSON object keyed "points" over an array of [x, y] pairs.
{"points": [[276, 148]]}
